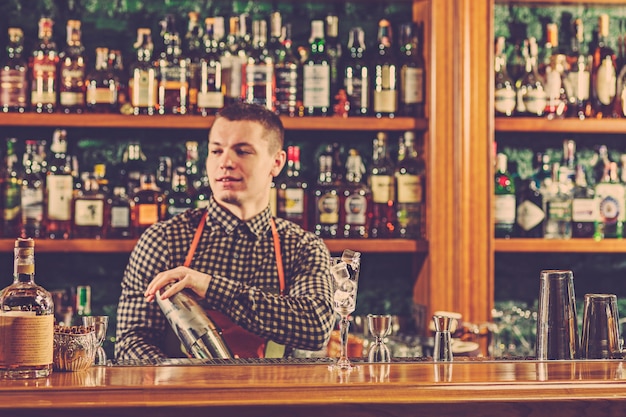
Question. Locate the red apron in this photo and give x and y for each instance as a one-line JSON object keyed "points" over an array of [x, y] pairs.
{"points": [[241, 342]]}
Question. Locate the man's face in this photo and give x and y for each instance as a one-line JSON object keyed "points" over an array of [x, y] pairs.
{"points": [[241, 166]]}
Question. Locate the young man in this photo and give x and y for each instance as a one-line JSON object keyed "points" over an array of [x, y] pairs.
{"points": [[234, 270]]}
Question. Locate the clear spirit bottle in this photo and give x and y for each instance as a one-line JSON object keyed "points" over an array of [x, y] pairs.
{"points": [[584, 208], [557, 203], [26, 319], [610, 203]]}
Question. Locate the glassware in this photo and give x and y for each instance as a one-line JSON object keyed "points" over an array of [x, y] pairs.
{"points": [[443, 339], [600, 330], [345, 271], [100, 324], [379, 326]]}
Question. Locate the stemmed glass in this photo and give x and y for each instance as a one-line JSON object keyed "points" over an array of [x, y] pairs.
{"points": [[100, 324], [345, 271]]}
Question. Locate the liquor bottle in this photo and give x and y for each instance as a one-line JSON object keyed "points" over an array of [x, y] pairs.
{"points": [[410, 179], [288, 75], [14, 75], [603, 73], [32, 192], [178, 197], [356, 74], [258, 82], [385, 73], [59, 189], [43, 70], [292, 191], [194, 50], [173, 72], [72, 71], [516, 63], [334, 52], [192, 164], [326, 197], [601, 165], [529, 215], [579, 75], [164, 172], [210, 97], [142, 84], [550, 48], [27, 316], [584, 214], [102, 85], [83, 303], [555, 87], [202, 193], [316, 74], [504, 197], [531, 95], [149, 205], [116, 67], [382, 184], [133, 167], [89, 210], [412, 70], [118, 217], [356, 198], [610, 205], [557, 202], [568, 163], [504, 91], [232, 59], [10, 193]]}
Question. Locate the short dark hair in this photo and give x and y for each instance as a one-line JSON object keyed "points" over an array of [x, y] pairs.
{"points": [[241, 111]]}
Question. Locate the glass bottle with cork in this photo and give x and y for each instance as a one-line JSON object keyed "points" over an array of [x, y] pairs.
{"points": [[14, 75], [72, 71], [27, 320]]}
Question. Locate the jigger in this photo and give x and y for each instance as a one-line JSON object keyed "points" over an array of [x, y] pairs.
{"points": [[443, 339], [379, 327]]}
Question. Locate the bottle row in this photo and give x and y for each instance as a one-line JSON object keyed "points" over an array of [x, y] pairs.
{"points": [[563, 81], [207, 68], [46, 197], [561, 200]]}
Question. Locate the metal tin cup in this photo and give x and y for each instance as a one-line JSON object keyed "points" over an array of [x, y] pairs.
{"points": [[600, 332], [557, 327]]}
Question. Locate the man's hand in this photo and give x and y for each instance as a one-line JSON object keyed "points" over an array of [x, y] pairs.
{"points": [[181, 277]]}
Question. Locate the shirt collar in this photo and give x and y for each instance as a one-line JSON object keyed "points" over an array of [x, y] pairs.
{"points": [[221, 217]]}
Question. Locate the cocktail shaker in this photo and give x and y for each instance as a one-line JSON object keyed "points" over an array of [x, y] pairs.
{"points": [[200, 336]]}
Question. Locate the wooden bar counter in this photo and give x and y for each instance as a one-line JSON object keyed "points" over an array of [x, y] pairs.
{"points": [[462, 388]]}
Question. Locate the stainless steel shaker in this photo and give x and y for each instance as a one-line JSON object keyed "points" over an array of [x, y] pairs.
{"points": [[200, 336]]}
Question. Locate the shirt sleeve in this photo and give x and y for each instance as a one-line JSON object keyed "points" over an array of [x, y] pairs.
{"points": [[140, 332], [303, 318]]}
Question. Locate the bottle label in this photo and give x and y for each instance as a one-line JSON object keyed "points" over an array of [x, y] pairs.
{"points": [[504, 100], [32, 204], [316, 88], [120, 217], [231, 75], [412, 80], [386, 101], [292, 201], [286, 88], [147, 214], [504, 209], [357, 88], [535, 101], [70, 98], [143, 88], [584, 210], [89, 213], [356, 209], [610, 203], [101, 95], [27, 339], [409, 189], [210, 99], [43, 81], [559, 210], [529, 215], [606, 81], [382, 188], [13, 91], [59, 197], [328, 208], [553, 84], [258, 84], [579, 83]]}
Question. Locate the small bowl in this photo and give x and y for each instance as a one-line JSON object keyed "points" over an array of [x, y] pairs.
{"points": [[74, 352]]}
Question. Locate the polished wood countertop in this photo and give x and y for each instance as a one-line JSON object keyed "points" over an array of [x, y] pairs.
{"points": [[461, 388]]}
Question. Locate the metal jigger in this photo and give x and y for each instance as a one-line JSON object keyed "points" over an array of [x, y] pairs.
{"points": [[443, 339]]}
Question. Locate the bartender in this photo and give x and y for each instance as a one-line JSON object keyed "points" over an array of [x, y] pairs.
{"points": [[265, 281]]}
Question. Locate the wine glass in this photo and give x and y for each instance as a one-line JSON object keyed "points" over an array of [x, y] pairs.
{"points": [[380, 327], [345, 271], [100, 324]]}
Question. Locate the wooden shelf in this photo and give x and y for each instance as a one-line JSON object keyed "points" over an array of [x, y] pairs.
{"points": [[126, 245], [530, 124], [561, 246], [88, 120], [553, 2]]}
